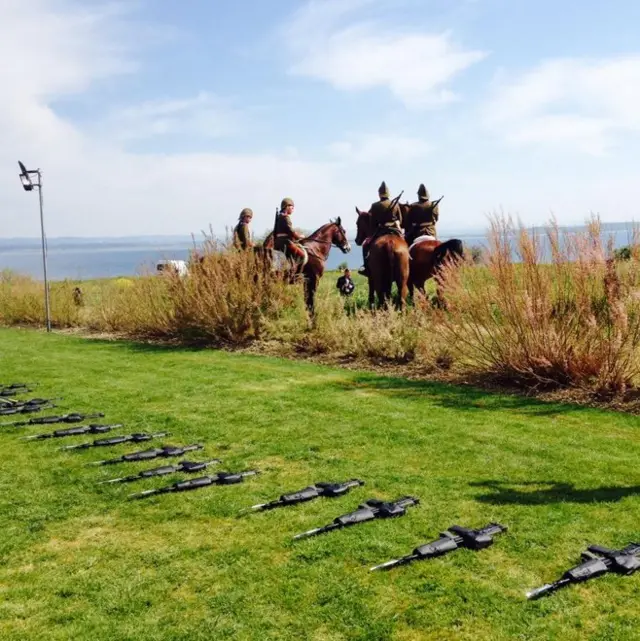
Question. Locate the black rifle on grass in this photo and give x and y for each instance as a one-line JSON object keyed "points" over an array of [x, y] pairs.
{"points": [[147, 455], [137, 437], [454, 538], [73, 431], [188, 467], [309, 493], [13, 402], [221, 478], [15, 388], [369, 510], [27, 407], [49, 420], [597, 561]]}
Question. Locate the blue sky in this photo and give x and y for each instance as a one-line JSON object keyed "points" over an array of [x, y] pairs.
{"points": [[166, 117]]}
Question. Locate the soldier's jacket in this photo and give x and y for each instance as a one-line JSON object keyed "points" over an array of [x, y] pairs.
{"points": [[383, 215], [284, 231], [242, 235], [421, 219]]}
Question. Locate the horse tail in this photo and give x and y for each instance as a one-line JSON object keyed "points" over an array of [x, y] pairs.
{"points": [[452, 248]]}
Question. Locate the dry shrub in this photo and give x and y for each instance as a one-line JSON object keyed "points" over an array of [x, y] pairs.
{"points": [[385, 334], [574, 321], [227, 298], [139, 307], [22, 302]]}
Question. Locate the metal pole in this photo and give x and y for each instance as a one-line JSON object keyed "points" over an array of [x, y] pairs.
{"points": [[44, 256]]}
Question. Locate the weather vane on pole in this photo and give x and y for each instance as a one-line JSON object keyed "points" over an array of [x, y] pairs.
{"points": [[28, 184]]}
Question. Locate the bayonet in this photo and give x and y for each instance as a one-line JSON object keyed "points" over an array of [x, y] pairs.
{"points": [[138, 437], [49, 420], [222, 478], [367, 511], [597, 560], [454, 538], [188, 467], [25, 408], [73, 431], [309, 493], [147, 455]]}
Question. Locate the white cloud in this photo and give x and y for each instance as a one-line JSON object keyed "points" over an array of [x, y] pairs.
{"points": [[580, 104], [415, 67], [92, 185], [375, 148], [204, 115], [48, 53]]}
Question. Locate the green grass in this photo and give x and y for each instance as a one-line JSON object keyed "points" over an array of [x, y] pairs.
{"points": [[79, 561]]}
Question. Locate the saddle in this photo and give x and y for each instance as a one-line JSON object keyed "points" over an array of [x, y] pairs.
{"points": [[422, 239], [385, 230]]}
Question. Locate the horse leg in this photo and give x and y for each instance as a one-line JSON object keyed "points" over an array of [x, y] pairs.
{"points": [[310, 286], [403, 291], [387, 292], [371, 293]]}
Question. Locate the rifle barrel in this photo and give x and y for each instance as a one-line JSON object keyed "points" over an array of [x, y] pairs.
{"points": [[386, 566]]}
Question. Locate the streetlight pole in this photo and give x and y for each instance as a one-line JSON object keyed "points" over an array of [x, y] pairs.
{"points": [[28, 184]]}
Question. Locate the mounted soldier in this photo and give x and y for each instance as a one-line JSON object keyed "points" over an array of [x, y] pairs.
{"points": [[422, 217], [285, 237], [386, 218], [242, 237]]}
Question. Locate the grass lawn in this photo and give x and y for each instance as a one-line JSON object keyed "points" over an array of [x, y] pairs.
{"points": [[80, 561]]}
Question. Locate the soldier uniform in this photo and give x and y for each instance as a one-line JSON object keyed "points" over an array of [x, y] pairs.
{"points": [[285, 237], [422, 217], [386, 219], [242, 236]]}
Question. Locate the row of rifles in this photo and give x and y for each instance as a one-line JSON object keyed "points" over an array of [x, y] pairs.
{"points": [[596, 560]]}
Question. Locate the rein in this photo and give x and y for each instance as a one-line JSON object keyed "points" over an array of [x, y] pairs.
{"points": [[311, 239]]}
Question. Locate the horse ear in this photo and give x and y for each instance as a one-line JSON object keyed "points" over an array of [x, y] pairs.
{"points": [[358, 211], [338, 221]]}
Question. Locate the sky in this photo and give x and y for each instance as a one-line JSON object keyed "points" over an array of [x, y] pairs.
{"points": [[162, 117]]}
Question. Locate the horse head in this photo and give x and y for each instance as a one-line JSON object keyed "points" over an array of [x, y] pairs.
{"points": [[365, 226], [339, 236]]}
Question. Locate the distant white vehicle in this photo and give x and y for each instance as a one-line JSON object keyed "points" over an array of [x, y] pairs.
{"points": [[178, 266]]}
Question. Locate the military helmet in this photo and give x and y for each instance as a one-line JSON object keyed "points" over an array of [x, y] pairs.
{"points": [[246, 212], [423, 194], [285, 202], [383, 190]]}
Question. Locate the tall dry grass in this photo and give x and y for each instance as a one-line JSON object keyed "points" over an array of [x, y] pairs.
{"points": [[22, 302], [225, 299], [568, 318], [573, 321]]}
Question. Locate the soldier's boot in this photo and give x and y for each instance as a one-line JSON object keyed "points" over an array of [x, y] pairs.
{"points": [[365, 268]]}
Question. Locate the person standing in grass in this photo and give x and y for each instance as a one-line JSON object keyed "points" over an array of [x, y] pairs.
{"points": [[242, 237], [345, 284]]}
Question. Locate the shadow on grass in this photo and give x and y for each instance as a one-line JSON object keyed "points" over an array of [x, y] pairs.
{"points": [[446, 395], [507, 493], [459, 397]]}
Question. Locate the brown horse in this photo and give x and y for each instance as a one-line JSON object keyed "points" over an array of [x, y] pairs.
{"points": [[426, 259], [388, 263], [428, 256], [318, 244]]}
